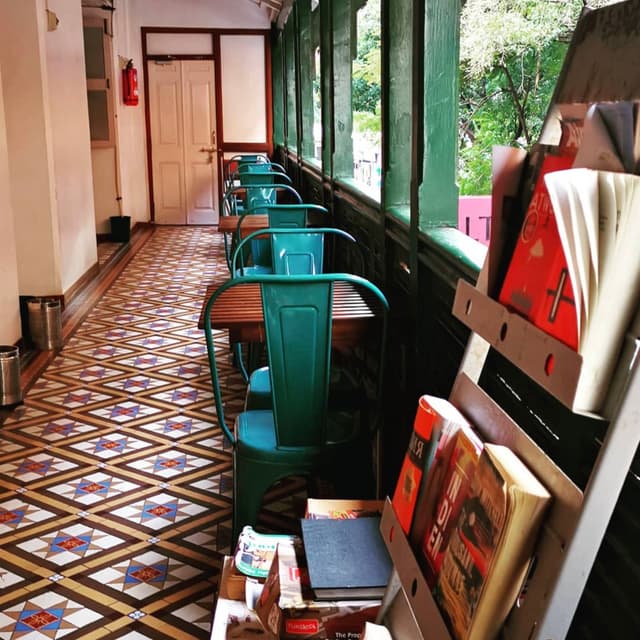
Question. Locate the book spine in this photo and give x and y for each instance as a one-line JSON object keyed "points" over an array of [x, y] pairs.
{"points": [[466, 561], [417, 459], [455, 487]]}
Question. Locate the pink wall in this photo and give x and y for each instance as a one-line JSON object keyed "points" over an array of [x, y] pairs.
{"points": [[474, 217]]}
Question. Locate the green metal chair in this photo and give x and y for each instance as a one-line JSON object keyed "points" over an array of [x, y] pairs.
{"points": [[259, 205], [295, 252], [299, 436], [232, 166], [281, 216]]}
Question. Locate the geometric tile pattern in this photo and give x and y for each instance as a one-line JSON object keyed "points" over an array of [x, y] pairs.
{"points": [[115, 480]]}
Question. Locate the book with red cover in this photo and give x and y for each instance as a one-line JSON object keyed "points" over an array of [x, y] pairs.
{"points": [[537, 283], [465, 452], [431, 415]]}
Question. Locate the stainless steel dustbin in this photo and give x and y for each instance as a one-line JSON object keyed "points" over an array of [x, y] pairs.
{"points": [[10, 392], [45, 323]]}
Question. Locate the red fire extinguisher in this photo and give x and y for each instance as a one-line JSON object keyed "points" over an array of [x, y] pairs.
{"points": [[130, 84]]}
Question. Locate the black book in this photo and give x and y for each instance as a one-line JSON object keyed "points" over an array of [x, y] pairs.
{"points": [[346, 559]]}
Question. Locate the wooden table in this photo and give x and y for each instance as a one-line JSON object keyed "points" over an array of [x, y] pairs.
{"points": [[239, 309], [256, 221], [251, 222]]}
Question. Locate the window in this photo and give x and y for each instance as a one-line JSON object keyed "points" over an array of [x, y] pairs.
{"points": [[365, 95], [97, 50]]}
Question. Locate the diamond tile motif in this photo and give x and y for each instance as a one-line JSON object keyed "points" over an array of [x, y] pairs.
{"points": [[93, 488], [177, 426], [159, 511], [145, 575], [35, 467], [111, 445], [70, 544], [16, 514], [168, 464], [59, 429], [48, 615], [184, 395]]}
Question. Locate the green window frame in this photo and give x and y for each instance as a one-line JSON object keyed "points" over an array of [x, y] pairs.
{"points": [[290, 40], [277, 67]]}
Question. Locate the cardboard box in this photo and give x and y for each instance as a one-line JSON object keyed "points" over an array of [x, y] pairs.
{"points": [[232, 617], [287, 610]]}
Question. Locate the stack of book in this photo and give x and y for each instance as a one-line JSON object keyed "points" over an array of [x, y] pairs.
{"points": [[329, 583], [474, 525]]}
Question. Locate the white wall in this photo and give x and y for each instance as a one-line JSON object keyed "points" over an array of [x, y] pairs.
{"points": [[71, 147], [28, 127], [128, 20], [9, 301]]}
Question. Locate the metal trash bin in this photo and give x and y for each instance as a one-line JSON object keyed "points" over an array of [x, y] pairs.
{"points": [[45, 323], [10, 392]]}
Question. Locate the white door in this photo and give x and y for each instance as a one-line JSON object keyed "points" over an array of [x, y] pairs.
{"points": [[183, 139]]}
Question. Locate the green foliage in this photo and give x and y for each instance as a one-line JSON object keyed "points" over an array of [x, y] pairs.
{"points": [[511, 52], [366, 70]]}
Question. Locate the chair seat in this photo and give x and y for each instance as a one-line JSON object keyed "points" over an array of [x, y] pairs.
{"points": [[256, 438], [253, 270]]}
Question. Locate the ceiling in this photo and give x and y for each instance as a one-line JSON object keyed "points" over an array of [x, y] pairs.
{"points": [[277, 10]]}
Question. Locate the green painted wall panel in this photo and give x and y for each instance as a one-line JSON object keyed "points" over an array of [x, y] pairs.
{"points": [[439, 191], [398, 46]]}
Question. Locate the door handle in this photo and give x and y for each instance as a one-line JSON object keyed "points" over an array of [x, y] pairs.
{"points": [[208, 149]]}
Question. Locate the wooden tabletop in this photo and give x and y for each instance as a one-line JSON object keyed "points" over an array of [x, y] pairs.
{"points": [[239, 309], [252, 222]]}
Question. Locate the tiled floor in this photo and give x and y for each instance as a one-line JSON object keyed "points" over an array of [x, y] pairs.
{"points": [[115, 482]]}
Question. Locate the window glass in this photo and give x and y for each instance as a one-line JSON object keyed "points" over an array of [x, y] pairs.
{"points": [[366, 94], [94, 52], [97, 48], [98, 115], [317, 107]]}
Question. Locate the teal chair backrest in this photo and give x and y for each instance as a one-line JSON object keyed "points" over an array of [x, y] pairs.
{"points": [[298, 327], [293, 251], [299, 253], [298, 333], [292, 215], [257, 167]]}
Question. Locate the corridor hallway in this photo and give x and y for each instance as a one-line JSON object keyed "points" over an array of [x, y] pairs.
{"points": [[115, 482]]}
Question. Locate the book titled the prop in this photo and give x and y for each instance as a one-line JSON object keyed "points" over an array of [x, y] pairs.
{"points": [[346, 558], [489, 553], [434, 417]]}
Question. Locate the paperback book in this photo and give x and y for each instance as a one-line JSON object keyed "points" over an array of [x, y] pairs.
{"points": [[460, 468], [489, 552], [434, 418]]}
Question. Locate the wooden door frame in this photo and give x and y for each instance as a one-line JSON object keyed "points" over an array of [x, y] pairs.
{"points": [[222, 146]]}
